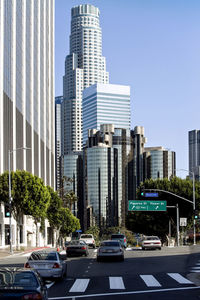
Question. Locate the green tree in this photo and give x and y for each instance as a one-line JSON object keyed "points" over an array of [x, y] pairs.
{"points": [[29, 196], [157, 222]]}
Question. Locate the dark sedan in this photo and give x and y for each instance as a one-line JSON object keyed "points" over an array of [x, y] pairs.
{"points": [[20, 283], [77, 248]]}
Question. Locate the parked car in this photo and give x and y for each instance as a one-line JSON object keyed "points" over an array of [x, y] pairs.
{"points": [[20, 283], [77, 248], [88, 239], [120, 237], [151, 242], [48, 264], [110, 249]]}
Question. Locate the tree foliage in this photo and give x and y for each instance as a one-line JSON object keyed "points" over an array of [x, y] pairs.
{"points": [[158, 222]]}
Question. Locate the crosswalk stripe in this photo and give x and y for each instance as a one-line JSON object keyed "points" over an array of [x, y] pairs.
{"points": [[80, 285], [179, 278], [150, 280], [116, 283]]}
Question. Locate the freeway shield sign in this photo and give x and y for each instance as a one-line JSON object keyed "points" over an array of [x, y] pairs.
{"points": [[142, 205]]}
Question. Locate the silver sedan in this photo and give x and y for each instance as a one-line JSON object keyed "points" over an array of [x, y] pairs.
{"points": [[110, 249], [48, 264]]}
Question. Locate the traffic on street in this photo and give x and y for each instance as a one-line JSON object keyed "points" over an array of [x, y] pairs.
{"points": [[167, 274]]}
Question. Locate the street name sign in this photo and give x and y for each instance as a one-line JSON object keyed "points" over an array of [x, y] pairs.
{"points": [[140, 205], [151, 194]]}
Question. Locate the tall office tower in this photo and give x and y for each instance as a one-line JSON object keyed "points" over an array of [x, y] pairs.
{"points": [[106, 104], [84, 66], [194, 152], [58, 139], [106, 158], [159, 163], [27, 87], [137, 162]]}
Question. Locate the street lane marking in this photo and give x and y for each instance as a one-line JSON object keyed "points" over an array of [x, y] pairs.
{"points": [[49, 284], [116, 283], [179, 278], [80, 285], [127, 293], [150, 280]]}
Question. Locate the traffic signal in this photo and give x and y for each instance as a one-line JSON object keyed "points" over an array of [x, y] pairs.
{"points": [[142, 193], [196, 214], [7, 210]]}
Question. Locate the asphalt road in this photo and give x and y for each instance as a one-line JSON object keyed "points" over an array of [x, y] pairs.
{"points": [[172, 273]]}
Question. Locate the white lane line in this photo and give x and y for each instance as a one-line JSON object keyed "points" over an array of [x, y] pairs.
{"points": [[49, 284], [150, 280], [94, 296], [195, 271], [196, 268], [116, 283], [179, 278], [80, 285]]}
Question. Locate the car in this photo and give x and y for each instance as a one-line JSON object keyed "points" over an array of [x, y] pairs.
{"points": [[49, 264], [110, 249], [151, 242], [77, 248], [120, 237], [88, 239], [21, 283]]}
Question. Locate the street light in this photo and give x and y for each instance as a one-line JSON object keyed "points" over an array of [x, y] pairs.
{"points": [[193, 182], [10, 195]]}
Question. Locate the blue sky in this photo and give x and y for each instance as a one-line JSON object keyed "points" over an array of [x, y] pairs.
{"points": [[153, 46]]}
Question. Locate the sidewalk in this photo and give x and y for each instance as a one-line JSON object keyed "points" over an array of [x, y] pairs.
{"points": [[6, 252]]}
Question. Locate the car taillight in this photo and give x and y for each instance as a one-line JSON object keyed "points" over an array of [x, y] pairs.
{"points": [[157, 243], [83, 248], [124, 240], [27, 265], [56, 266], [35, 296]]}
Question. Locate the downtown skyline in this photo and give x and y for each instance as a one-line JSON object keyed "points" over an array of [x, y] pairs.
{"points": [[160, 63]]}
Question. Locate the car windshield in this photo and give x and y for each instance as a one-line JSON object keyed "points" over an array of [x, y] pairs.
{"points": [[43, 256], [18, 278], [110, 244]]}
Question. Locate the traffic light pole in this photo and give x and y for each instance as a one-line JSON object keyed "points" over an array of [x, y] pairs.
{"points": [[192, 202]]}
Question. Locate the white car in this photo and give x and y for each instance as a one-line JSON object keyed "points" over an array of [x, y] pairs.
{"points": [[151, 242], [88, 239]]}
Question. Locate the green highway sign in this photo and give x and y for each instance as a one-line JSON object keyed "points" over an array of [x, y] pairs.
{"points": [[142, 205]]}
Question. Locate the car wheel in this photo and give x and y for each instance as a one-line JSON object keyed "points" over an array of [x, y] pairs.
{"points": [[143, 248], [122, 258], [93, 246], [86, 254], [98, 259]]}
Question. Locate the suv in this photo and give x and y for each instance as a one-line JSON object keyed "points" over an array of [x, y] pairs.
{"points": [[88, 239], [121, 238]]}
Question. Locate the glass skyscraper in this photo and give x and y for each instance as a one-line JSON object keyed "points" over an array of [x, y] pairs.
{"points": [[27, 86], [159, 163], [106, 104], [84, 66], [194, 151]]}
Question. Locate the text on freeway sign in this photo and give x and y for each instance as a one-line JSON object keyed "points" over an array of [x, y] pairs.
{"points": [[140, 205]]}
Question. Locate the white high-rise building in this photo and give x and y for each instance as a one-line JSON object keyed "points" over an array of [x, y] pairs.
{"points": [[106, 104], [84, 66], [27, 86]]}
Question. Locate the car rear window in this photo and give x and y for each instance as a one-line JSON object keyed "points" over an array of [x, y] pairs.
{"points": [[117, 236], [150, 238], [86, 236], [21, 279], [110, 244], [43, 256]]}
